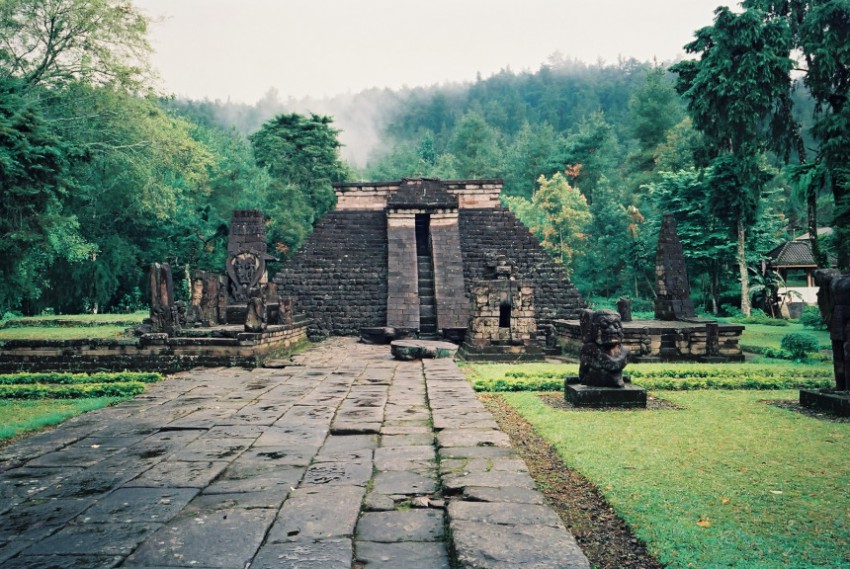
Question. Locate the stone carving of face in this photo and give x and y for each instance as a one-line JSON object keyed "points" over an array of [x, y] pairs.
{"points": [[609, 328]]}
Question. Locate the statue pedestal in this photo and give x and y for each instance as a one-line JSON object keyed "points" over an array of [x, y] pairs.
{"points": [[581, 395], [831, 401]]}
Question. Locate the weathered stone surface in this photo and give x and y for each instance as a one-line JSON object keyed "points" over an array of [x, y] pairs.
{"points": [[401, 525], [603, 356], [105, 539], [318, 513], [398, 482], [491, 546], [673, 290], [472, 437], [500, 513], [421, 555], [338, 474], [320, 554], [407, 350], [505, 494], [133, 505], [180, 473], [228, 538], [589, 396], [63, 562]]}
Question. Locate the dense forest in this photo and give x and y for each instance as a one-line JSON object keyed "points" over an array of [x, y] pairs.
{"points": [[101, 175]]}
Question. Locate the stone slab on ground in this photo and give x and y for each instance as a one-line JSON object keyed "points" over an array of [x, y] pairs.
{"points": [[407, 350], [281, 468]]}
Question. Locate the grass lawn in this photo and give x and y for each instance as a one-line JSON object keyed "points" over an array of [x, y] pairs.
{"points": [[84, 319], [728, 481], [62, 333], [761, 336], [17, 417]]}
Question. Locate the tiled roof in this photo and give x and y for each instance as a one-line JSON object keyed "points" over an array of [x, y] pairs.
{"points": [[796, 253]]}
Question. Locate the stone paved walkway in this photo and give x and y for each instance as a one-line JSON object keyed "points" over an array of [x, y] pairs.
{"points": [[348, 459]]}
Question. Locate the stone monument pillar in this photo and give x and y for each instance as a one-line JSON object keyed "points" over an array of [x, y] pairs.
{"points": [[164, 314], [246, 261], [673, 300]]}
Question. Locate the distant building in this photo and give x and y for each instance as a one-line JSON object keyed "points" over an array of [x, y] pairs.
{"points": [[794, 262]]}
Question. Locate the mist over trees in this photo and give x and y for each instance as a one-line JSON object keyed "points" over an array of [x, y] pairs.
{"points": [[101, 175]]}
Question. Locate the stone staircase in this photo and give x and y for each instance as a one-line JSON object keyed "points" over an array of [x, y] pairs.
{"points": [[427, 302]]}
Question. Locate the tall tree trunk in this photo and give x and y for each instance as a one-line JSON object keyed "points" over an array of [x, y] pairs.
{"points": [[742, 268], [812, 217]]}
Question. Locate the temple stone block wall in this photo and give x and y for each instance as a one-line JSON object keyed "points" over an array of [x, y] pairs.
{"points": [[338, 278], [402, 290], [488, 233], [358, 269], [488, 299], [449, 288]]}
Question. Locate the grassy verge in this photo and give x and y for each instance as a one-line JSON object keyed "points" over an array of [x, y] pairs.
{"points": [[77, 320], [758, 338], [18, 417], [550, 377], [727, 482], [62, 333]]}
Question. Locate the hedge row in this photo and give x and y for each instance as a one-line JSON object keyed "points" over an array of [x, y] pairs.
{"points": [[666, 383], [45, 391], [77, 378]]}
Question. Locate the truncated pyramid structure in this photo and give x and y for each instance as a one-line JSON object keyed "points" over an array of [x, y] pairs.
{"points": [[412, 256]]}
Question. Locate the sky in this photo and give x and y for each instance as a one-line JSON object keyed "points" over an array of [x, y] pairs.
{"points": [[239, 50]]}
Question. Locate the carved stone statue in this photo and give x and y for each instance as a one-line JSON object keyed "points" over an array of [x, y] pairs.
{"points": [[164, 313], [834, 304], [256, 319], [603, 356]]}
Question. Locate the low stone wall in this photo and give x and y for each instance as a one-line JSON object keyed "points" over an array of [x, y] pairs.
{"points": [[656, 340], [150, 352]]}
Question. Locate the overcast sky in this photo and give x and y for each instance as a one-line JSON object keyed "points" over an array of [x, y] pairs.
{"points": [[220, 49]]}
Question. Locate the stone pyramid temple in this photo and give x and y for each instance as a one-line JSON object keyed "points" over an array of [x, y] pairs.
{"points": [[426, 258]]}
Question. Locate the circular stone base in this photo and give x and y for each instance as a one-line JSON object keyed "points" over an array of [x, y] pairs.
{"points": [[419, 349]]}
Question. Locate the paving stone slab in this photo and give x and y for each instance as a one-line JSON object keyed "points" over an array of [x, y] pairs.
{"points": [[320, 554], [421, 555], [179, 474], [411, 439], [490, 546], [318, 513], [455, 483], [38, 517], [472, 437], [62, 562], [126, 505], [401, 525], [506, 494], [502, 513], [94, 539], [226, 539], [206, 449], [338, 474], [376, 502], [405, 482]]}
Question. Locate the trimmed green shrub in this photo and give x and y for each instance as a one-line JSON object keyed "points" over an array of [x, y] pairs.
{"points": [[77, 378], [811, 318], [47, 391], [800, 344], [759, 317]]}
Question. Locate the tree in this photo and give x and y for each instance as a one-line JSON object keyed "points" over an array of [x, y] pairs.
{"points": [[303, 152], [34, 178], [532, 154], [475, 148], [557, 215], [57, 42], [594, 145], [738, 89]]}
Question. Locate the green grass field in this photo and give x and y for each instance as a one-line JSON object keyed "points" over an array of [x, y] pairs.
{"points": [[18, 417], [727, 482], [63, 333]]}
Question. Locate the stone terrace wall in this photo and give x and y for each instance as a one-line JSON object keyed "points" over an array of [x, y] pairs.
{"points": [[339, 276], [489, 232]]}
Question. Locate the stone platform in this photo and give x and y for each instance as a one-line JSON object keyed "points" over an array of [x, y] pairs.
{"points": [[666, 340], [333, 462], [194, 347], [589, 396], [408, 350], [829, 400]]}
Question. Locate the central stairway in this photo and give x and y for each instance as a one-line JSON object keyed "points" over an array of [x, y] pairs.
{"points": [[427, 304]]}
